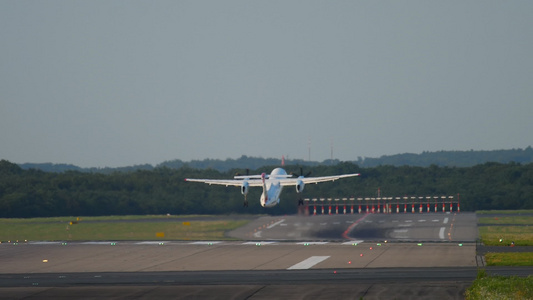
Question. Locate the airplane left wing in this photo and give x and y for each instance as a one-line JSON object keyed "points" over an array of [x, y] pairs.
{"points": [[227, 182]]}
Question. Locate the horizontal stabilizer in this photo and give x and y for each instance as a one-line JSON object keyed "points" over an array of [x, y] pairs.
{"points": [[259, 176], [248, 177]]}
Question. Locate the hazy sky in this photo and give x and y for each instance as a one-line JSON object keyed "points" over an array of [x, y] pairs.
{"points": [[117, 83]]}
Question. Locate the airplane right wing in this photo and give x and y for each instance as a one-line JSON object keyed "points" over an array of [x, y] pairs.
{"points": [[305, 180]]}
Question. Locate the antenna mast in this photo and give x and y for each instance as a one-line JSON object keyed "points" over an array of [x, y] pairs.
{"points": [[309, 149], [332, 150]]}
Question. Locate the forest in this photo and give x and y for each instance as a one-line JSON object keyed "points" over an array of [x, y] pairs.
{"points": [[28, 193]]}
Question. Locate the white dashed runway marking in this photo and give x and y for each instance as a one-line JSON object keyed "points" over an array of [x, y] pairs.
{"points": [[308, 263]]}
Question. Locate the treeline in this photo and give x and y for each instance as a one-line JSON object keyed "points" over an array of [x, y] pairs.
{"points": [[34, 193], [451, 158], [425, 159]]}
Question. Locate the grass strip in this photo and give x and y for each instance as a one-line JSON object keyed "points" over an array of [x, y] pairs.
{"points": [[516, 220], [110, 229], [509, 259], [500, 287], [504, 212], [505, 235], [101, 218]]}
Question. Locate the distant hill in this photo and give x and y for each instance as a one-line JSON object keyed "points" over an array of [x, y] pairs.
{"points": [[425, 159], [451, 158], [59, 168]]}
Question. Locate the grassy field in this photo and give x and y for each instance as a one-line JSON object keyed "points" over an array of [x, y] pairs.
{"points": [[516, 220], [509, 259], [505, 235], [118, 228], [498, 287], [503, 230], [504, 212]]}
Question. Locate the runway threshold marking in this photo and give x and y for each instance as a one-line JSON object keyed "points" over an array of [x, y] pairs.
{"points": [[311, 243], [308, 263], [354, 242], [259, 243], [205, 243], [149, 243], [96, 243]]}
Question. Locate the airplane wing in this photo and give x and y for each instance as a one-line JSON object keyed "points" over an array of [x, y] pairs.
{"points": [[228, 182], [306, 180]]}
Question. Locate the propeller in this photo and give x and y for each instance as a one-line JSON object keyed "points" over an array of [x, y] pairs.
{"points": [[245, 193], [247, 173], [300, 200], [302, 173]]}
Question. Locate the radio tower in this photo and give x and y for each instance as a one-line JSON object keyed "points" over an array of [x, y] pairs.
{"points": [[309, 148], [332, 151]]}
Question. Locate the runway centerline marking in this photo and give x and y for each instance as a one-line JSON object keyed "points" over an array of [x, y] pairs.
{"points": [[441, 233], [277, 223], [351, 227], [308, 263], [445, 221]]}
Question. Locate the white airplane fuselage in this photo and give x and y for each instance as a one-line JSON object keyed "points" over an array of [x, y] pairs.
{"points": [[272, 188]]}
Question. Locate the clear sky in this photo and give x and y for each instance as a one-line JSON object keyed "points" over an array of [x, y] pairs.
{"points": [[118, 83]]}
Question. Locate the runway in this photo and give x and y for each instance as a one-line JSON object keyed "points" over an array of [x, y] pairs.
{"points": [[403, 227], [292, 257]]}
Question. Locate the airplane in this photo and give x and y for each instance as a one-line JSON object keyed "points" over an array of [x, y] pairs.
{"points": [[272, 184]]}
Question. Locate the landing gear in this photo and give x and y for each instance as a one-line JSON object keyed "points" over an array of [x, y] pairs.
{"points": [[245, 202], [300, 201]]}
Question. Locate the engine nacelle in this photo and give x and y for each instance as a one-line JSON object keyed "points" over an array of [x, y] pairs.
{"points": [[299, 186], [245, 187]]}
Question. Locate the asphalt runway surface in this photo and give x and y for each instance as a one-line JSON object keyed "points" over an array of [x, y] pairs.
{"points": [[376, 256], [403, 227]]}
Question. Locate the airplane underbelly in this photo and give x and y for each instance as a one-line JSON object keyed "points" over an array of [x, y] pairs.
{"points": [[273, 197]]}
